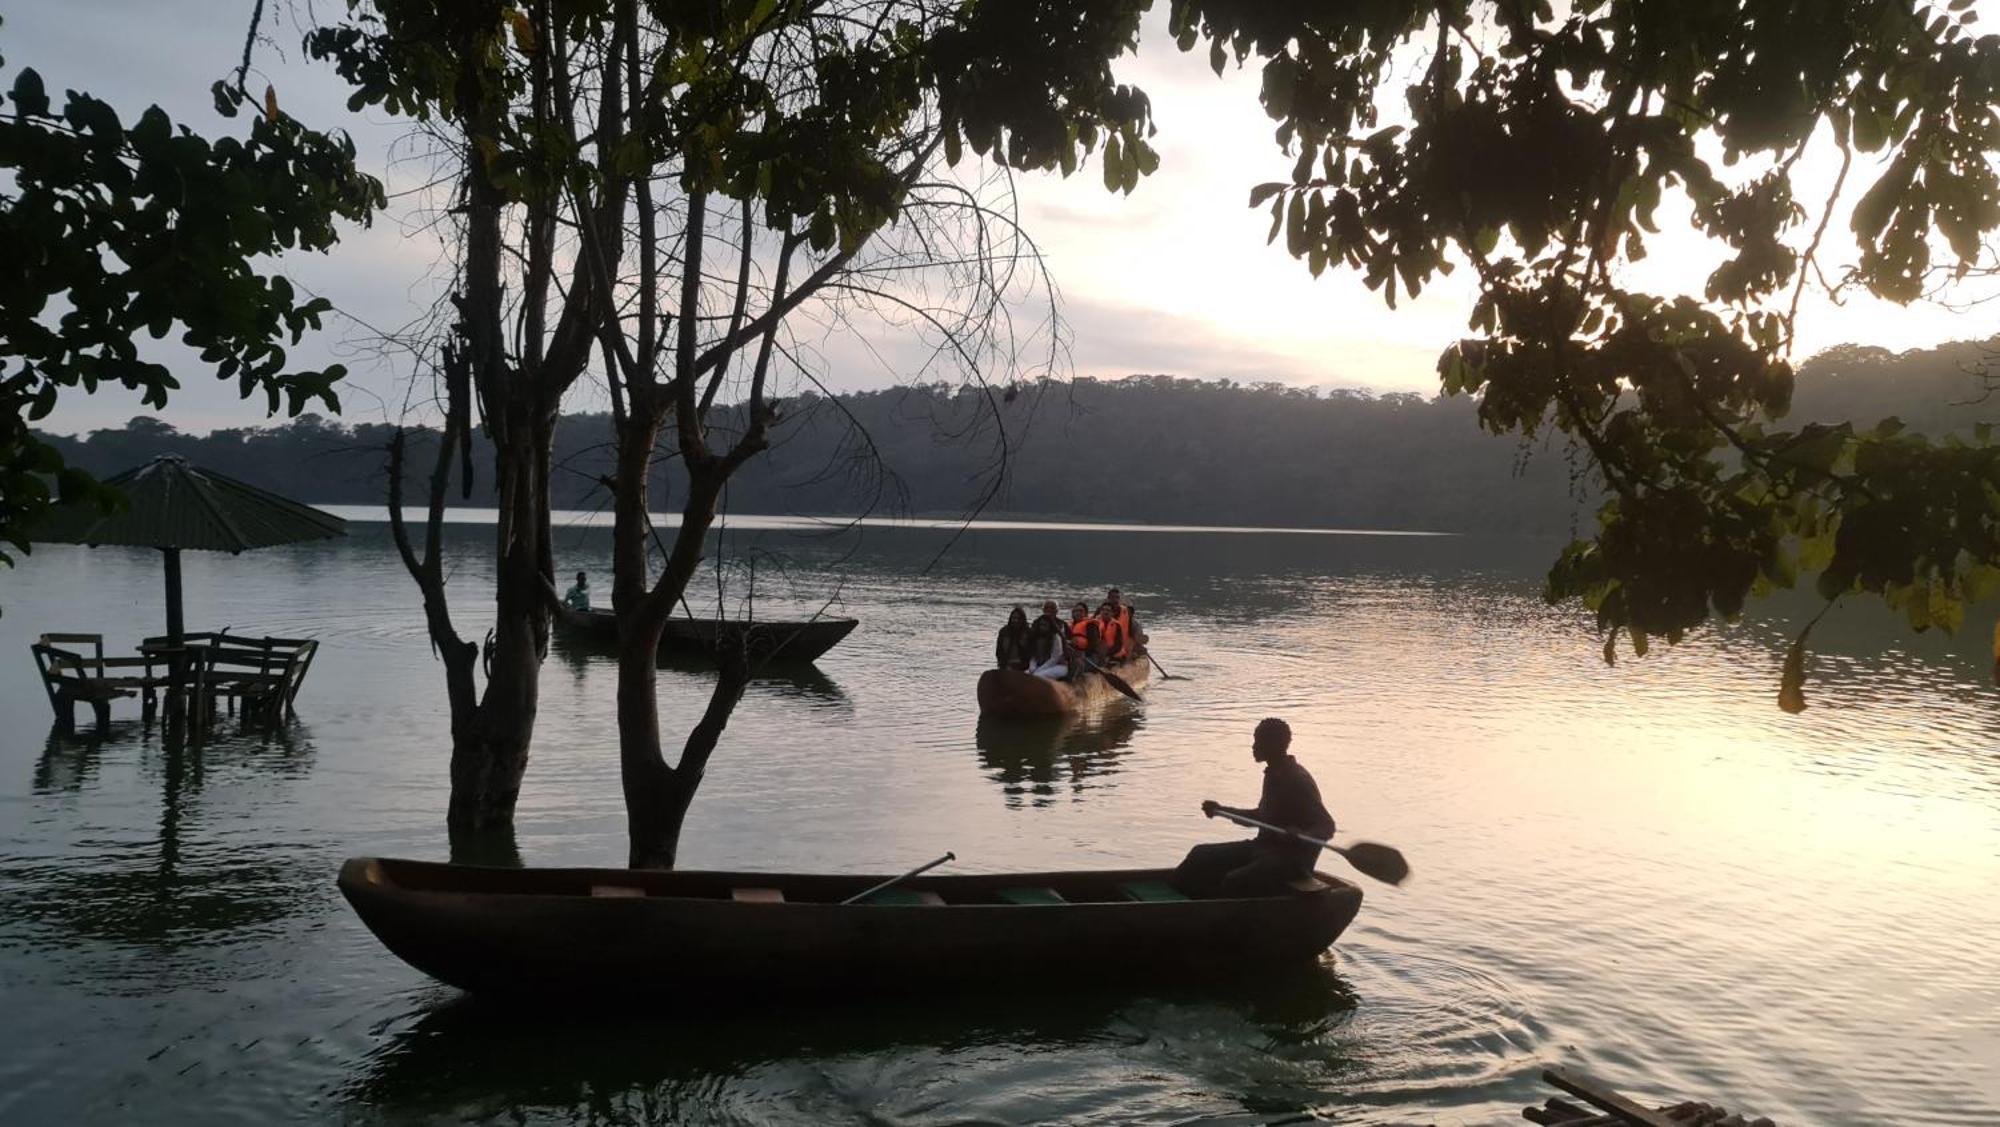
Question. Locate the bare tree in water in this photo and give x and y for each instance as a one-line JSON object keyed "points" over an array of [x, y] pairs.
{"points": [[681, 197]]}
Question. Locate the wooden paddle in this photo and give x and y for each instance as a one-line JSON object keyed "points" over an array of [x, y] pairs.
{"points": [[1110, 678], [1383, 862], [1164, 675], [873, 889]]}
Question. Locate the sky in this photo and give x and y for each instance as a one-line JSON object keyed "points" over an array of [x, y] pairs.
{"points": [[1175, 278]]}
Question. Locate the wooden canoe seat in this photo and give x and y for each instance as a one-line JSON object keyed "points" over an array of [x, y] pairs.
{"points": [[616, 890], [904, 898], [1152, 891], [1031, 896], [758, 895]]}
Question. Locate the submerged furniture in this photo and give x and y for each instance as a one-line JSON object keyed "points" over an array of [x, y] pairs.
{"points": [[176, 507], [1009, 694], [592, 936], [259, 676], [70, 676], [768, 640]]}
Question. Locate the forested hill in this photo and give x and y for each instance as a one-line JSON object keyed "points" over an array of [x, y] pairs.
{"points": [[1145, 448]]}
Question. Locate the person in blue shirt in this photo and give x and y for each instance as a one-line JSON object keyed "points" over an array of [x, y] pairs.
{"points": [[578, 597]]}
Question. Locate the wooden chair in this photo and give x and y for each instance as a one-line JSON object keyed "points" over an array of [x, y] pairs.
{"points": [[69, 677], [255, 675], [302, 651]]}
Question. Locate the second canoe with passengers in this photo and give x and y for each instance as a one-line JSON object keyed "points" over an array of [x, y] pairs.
{"points": [[1009, 694]]}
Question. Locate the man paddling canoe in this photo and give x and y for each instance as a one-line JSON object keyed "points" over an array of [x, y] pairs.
{"points": [[1265, 865]]}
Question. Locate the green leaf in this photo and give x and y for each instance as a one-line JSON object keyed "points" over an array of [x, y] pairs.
{"points": [[29, 97], [1872, 211], [1295, 226], [1263, 192]]}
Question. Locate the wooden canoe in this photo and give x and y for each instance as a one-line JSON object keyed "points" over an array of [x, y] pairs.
{"points": [[1008, 694], [769, 640], [596, 936]]}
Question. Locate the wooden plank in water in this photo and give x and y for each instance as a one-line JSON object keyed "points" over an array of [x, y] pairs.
{"points": [[1557, 1112], [1598, 1094]]}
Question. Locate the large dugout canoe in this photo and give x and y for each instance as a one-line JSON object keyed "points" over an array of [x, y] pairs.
{"points": [[596, 936], [767, 640], [1008, 694]]}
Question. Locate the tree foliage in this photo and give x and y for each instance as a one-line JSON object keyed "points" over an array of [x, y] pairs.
{"points": [[667, 185], [1538, 143], [113, 232]]}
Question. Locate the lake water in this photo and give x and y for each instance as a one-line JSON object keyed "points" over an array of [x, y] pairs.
{"points": [[1646, 871]]}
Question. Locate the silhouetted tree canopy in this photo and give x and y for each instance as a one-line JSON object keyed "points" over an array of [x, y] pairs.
{"points": [[113, 232], [1535, 143]]}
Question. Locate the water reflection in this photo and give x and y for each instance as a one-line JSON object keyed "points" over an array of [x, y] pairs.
{"points": [[777, 680], [171, 888], [882, 1060], [1035, 761], [69, 760]]}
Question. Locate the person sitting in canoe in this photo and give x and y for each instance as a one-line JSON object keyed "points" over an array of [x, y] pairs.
{"points": [[1111, 638], [1010, 649], [1265, 865], [578, 597], [1128, 625], [1084, 641], [1051, 616], [1046, 657]]}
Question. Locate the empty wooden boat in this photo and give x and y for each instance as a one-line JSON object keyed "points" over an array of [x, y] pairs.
{"points": [[600, 935], [768, 639], [1008, 694]]}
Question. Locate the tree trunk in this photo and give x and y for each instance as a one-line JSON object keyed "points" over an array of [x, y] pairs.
{"points": [[490, 732], [657, 795], [490, 753]]}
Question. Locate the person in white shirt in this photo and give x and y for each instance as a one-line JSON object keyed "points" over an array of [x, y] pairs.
{"points": [[1045, 650]]}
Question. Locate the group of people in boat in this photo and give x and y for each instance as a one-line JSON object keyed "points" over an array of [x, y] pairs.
{"points": [[1290, 805], [1058, 650]]}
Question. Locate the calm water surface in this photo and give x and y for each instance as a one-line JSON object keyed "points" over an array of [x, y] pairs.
{"points": [[1647, 871]]}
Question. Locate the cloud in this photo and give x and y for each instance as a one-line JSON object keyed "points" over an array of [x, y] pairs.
{"points": [[1112, 340]]}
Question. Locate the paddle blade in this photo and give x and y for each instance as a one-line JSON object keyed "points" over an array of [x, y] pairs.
{"points": [[1118, 683], [1382, 862]]}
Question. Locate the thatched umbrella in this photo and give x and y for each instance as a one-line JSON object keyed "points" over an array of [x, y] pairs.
{"points": [[175, 507]]}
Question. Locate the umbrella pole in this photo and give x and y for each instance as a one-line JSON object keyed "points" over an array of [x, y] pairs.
{"points": [[176, 650], [174, 625]]}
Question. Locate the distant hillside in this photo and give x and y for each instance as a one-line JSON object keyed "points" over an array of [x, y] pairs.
{"points": [[1145, 448]]}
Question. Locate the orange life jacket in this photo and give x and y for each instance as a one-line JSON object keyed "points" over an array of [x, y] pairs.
{"points": [[1079, 634], [1119, 644], [1115, 640]]}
